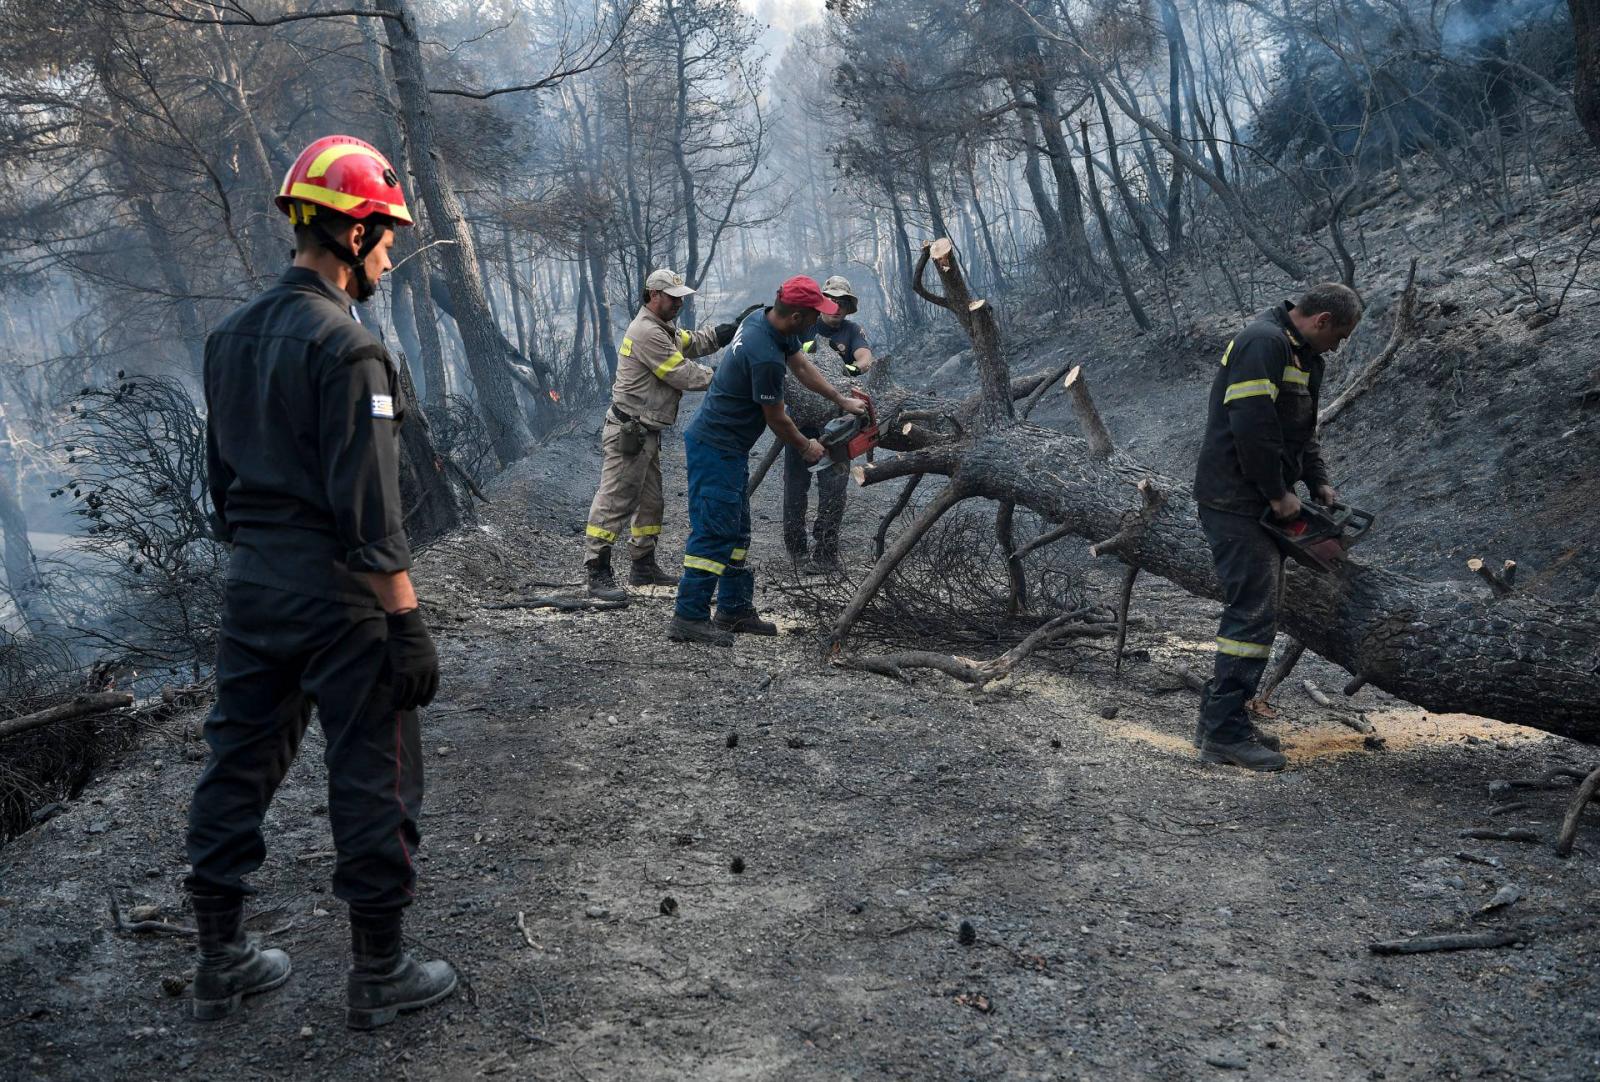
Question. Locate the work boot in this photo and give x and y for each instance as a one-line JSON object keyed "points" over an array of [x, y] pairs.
{"points": [[1260, 736], [681, 630], [384, 980], [744, 623], [602, 584], [824, 562], [231, 967], [1247, 753], [646, 572]]}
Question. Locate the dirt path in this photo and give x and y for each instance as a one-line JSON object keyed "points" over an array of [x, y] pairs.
{"points": [[1134, 914]]}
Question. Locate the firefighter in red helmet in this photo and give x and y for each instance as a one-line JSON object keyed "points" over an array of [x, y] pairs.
{"points": [[304, 406]]}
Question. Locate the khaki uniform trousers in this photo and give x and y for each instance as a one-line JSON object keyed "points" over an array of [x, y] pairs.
{"points": [[629, 497]]}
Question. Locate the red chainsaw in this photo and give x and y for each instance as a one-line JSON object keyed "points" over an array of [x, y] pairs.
{"points": [[1319, 536], [846, 437]]}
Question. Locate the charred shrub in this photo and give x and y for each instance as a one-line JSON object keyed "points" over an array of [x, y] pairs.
{"points": [[135, 456]]}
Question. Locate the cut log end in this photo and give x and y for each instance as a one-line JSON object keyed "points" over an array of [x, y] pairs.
{"points": [[977, 304], [858, 474], [1072, 377]]}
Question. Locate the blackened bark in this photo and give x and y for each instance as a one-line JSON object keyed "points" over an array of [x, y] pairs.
{"points": [[1586, 89], [488, 353]]}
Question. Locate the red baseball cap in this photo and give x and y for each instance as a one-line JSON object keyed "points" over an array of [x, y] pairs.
{"points": [[803, 292]]}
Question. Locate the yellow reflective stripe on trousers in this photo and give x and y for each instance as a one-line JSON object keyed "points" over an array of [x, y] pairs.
{"points": [[700, 563], [594, 531], [668, 365], [644, 531], [627, 347], [1250, 388], [1242, 649], [1227, 353], [1291, 374], [738, 554]]}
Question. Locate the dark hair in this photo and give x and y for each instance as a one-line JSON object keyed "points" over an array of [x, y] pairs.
{"points": [[334, 223], [1338, 300], [787, 311]]}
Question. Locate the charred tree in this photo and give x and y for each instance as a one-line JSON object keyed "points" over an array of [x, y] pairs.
{"points": [[1586, 89], [489, 355], [1445, 646]]}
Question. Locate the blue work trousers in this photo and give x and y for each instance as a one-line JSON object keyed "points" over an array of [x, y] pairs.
{"points": [[1249, 567], [719, 534]]}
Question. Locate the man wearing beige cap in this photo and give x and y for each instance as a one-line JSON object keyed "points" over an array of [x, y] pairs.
{"points": [[653, 372], [837, 342]]}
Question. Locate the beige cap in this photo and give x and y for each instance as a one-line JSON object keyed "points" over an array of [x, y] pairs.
{"points": [[668, 282], [839, 286]]}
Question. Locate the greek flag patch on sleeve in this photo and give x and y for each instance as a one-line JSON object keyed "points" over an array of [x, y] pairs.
{"points": [[383, 406]]}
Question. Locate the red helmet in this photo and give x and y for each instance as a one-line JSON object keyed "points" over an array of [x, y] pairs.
{"points": [[342, 174]]}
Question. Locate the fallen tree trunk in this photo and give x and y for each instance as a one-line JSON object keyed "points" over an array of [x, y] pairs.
{"points": [[80, 707], [1446, 646]]}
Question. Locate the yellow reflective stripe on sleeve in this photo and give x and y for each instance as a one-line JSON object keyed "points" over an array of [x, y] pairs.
{"points": [[669, 364], [1227, 353], [1242, 649], [627, 347], [738, 554], [700, 563], [594, 531], [644, 531], [1249, 389], [809, 346], [684, 338], [1291, 374]]}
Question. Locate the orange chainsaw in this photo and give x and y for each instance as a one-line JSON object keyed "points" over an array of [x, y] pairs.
{"points": [[846, 437]]}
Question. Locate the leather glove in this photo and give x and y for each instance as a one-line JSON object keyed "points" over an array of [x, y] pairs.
{"points": [[725, 333], [413, 662]]}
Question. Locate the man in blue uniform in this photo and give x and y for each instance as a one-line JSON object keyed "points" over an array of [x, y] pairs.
{"points": [[1261, 439], [304, 407], [745, 399], [836, 340]]}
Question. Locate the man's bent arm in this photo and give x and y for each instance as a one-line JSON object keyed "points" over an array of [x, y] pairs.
{"points": [[783, 426], [394, 590]]}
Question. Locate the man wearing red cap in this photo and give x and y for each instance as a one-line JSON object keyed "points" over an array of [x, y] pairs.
{"points": [[744, 400]]}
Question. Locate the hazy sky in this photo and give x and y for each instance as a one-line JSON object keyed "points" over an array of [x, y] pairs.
{"points": [[784, 15]]}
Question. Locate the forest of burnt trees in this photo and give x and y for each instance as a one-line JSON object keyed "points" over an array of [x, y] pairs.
{"points": [[556, 151]]}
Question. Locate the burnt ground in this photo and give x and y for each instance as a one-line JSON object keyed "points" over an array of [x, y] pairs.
{"points": [[1135, 914]]}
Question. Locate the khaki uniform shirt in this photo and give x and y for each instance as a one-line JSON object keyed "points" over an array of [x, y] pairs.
{"points": [[653, 369]]}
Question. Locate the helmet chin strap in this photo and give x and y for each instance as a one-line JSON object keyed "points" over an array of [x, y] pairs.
{"points": [[357, 261]]}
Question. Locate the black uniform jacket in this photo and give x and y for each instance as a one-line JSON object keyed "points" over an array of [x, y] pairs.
{"points": [[1261, 423], [302, 443]]}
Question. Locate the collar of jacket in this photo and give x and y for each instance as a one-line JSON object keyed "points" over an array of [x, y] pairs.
{"points": [[303, 277], [1280, 315]]}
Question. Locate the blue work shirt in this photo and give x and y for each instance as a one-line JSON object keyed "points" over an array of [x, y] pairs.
{"points": [[749, 377], [845, 339]]}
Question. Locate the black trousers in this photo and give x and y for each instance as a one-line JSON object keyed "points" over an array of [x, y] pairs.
{"points": [[831, 486], [280, 654], [1250, 567]]}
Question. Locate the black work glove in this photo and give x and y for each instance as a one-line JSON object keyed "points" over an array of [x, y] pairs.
{"points": [[725, 333], [413, 662]]}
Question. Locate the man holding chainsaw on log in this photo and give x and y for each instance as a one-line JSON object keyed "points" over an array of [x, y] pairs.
{"points": [[653, 372], [1260, 440], [745, 399], [836, 339]]}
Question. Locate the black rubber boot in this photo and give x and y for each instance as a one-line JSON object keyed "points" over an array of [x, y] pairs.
{"points": [[704, 631], [384, 980], [1260, 736], [1246, 753], [602, 584], [231, 967], [646, 572], [744, 623], [823, 562]]}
